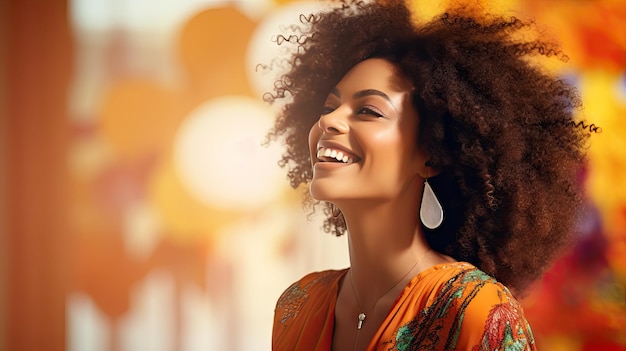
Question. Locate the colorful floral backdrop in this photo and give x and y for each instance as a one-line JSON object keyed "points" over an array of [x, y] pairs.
{"points": [[183, 231]]}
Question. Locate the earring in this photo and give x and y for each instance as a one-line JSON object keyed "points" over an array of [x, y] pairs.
{"points": [[431, 212]]}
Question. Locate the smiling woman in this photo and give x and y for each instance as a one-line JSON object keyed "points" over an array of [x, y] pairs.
{"points": [[449, 160]]}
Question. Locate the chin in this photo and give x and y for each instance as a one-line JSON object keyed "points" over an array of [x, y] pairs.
{"points": [[320, 193], [323, 190]]}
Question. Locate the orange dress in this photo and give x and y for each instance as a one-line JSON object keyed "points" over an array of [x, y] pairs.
{"points": [[450, 306]]}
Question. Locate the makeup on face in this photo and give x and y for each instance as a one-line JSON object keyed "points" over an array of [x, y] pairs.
{"points": [[364, 144]]}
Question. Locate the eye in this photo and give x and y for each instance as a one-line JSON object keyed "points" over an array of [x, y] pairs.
{"points": [[369, 111]]}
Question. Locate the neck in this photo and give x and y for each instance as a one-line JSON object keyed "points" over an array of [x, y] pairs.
{"points": [[385, 242]]}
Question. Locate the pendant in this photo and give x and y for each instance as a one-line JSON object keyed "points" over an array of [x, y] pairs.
{"points": [[361, 320]]}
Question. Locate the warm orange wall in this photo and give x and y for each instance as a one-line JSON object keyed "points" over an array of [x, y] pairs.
{"points": [[3, 181], [36, 60]]}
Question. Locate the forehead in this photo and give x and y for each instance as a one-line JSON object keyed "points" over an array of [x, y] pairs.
{"points": [[375, 73]]}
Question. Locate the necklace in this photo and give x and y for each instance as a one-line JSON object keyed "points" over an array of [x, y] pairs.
{"points": [[362, 315]]}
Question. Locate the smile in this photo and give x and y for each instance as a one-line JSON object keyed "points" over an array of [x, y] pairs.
{"points": [[325, 154]]}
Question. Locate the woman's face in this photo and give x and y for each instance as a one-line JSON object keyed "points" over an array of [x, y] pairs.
{"points": [[364, 146]]}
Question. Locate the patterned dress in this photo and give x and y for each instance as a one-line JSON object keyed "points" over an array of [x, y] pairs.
{"points": [[451, 306]]}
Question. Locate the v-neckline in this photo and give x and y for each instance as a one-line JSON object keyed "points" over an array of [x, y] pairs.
{"points": [[408, 287]]}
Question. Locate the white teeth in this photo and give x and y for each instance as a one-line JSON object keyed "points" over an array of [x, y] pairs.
{"points": [[338, 155]]}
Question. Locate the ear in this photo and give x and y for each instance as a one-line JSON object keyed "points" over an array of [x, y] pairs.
{"points": [[424, 170], [428, 171]]}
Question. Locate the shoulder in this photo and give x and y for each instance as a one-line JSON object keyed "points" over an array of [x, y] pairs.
{"points": [[486, 312], [304, 310], [476, 292], [309, 283], [455, 306], [311, 287]]}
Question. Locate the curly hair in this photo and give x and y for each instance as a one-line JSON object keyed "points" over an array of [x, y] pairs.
{"points": [[501, 130]]}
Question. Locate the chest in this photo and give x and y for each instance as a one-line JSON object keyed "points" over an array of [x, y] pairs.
{"points": [[346, 334]]}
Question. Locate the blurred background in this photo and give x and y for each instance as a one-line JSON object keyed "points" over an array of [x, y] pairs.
{"points": [[140, 211]]}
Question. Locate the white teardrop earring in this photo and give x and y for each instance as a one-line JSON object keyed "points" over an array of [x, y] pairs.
{"points": [[431, 212]]}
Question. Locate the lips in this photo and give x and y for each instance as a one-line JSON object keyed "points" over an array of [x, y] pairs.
{"points": [[334, 153]]}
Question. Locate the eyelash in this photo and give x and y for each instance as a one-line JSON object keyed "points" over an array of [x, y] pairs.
{"points": [[362, 111], [369, 111]]}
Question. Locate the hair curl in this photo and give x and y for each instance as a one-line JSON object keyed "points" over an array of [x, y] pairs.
{"points": [[501, 130]]}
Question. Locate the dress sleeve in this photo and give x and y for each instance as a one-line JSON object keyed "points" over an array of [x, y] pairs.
{"points": [[493, 320], [304, 314]]}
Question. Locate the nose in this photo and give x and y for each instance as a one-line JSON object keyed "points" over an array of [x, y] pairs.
{"points": [[334, 122]]}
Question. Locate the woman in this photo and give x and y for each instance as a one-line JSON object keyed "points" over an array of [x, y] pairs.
{"points": [[447, 158]]}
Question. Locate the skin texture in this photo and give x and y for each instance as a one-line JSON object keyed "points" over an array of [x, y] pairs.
{"points": [[498, 131]]}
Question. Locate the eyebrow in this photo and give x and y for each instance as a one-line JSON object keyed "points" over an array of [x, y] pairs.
{"points": [[363, 93]]}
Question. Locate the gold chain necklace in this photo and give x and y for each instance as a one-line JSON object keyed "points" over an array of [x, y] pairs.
{"points": [[361, 317]]}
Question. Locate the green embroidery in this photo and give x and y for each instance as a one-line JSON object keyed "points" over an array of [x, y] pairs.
{"points": [[455, 295], [404, 337], [296, 295], [511, 343], [505, 329], [476, 275]]}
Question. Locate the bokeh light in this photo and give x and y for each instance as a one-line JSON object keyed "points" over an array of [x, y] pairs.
{"points": [[220, 157]]}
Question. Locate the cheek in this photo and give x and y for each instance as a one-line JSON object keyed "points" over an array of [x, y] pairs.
{"points": [[394, 151], [389, 143]]}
